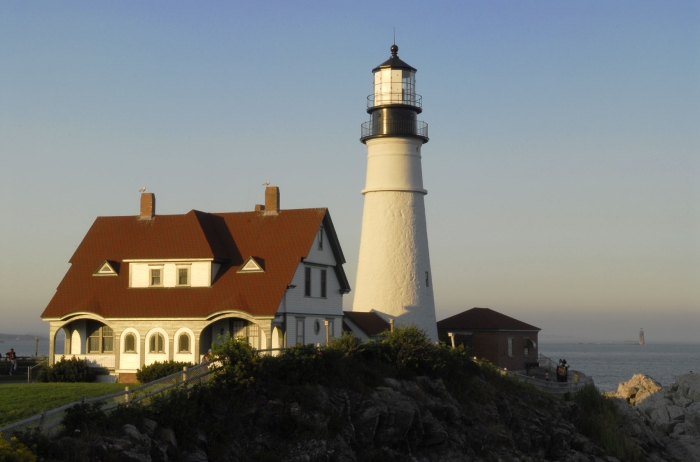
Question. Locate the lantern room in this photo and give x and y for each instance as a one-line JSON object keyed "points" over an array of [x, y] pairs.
{"points": [[394, 83]]}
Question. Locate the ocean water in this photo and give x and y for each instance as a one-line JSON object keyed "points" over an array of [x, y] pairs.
{"points": [[610, 363], [27, 347]]}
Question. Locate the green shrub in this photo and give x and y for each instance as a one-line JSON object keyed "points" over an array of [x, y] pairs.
{"points": [[238, 361], [158, 370], [601, 420], [410, 349], [67, 370], [14, 451], [81, 419]]}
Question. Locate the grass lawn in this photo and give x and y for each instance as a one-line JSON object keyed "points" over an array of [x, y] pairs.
{"points": [[22, 400]]}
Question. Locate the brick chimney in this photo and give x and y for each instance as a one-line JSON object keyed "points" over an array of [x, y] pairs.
{"points": [[148, 206], [272, 200]]}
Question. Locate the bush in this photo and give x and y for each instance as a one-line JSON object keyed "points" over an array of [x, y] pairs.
{"points": [[67, 370], [14, 451], [80, 419], [600, 420], [238, 361], [159, 370]]}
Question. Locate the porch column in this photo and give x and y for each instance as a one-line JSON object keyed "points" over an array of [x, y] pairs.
{"points": [[266, 326], [117, 349], [53, 329], [195, 347], [142, 350]]}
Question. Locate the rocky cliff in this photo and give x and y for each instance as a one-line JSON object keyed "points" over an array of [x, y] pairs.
{"points": [[663, 417], [404, 420]]}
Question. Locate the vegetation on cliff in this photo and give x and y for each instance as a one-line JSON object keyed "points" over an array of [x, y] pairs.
{"points": [[397, 399]]}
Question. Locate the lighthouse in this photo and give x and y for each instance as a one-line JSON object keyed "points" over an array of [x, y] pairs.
{"points": [[394, 278]]}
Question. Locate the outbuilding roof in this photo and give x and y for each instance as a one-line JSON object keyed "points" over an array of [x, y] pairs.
{"points": [[277, 241], [371, 323], [483, 319]]}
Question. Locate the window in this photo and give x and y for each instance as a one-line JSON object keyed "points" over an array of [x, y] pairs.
{"points": [[317, 327], [183, 276], [239, 328], [156, 277], [427, 279], [156, 344], [183, 343], [130, 343], [300, 330], [101, 338], [107, 339], [330, 328], [510, 347], [323, 283], [253, 335], [320, 238], [307, 282]]}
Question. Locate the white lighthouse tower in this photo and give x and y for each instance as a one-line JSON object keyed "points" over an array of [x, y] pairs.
{"points": [[393, 274]]}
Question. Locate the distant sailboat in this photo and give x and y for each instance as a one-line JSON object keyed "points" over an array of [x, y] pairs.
{"points": [[641, 336]]}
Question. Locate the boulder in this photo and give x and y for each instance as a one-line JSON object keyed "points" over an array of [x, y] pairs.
{"points": [[637, 389]]}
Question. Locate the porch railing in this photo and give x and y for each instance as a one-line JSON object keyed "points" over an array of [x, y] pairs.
{"points": [[102, 361]]}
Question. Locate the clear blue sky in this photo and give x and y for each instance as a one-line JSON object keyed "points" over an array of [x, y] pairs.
{"points": [[563, 167]]}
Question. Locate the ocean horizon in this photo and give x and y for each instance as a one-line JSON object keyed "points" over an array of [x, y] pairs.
{"points": [[612, 363]]}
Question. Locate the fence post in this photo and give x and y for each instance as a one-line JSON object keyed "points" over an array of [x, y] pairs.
{"points": [[184, 375], [42, 420], [127, 396]]}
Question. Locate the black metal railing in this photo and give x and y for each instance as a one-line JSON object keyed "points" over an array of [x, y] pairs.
{"points": [[395, 127], [399, 97]]}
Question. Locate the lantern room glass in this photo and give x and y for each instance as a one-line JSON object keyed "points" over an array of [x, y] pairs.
{"points": [[394, 86]]}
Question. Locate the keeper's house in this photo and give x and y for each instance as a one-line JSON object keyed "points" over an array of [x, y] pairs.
{"points": [[150, 288], [488, 334]]}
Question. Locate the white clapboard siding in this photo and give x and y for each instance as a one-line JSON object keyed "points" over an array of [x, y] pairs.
{"points": [[200, 275], [139, 275]]}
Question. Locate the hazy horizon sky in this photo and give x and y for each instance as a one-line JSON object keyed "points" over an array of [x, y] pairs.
{"points": [[563, 168]]}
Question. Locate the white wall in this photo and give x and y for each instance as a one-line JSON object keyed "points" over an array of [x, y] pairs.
{"points": [[200, 273], [130, 361], [336, 330], [78, 338], [183, 356], [151, 358], [296, 302], [322, 256]]}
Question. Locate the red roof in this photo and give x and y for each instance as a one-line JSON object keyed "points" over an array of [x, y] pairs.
{"points": [[279, 242], [483, 319], [370, 322]]}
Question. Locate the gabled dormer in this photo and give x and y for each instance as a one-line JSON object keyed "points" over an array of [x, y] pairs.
{"points": [[107, 268], [172, 273], [252, 265]]}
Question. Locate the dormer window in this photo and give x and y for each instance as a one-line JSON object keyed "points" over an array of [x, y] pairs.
{"points": [[183, 275], [156, 275]]}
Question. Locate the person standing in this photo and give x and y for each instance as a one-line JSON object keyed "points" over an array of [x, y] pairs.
{"points": [[12, 357]]}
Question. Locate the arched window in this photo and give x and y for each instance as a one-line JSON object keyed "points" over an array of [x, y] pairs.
{"points": [[157, 344], [130, 343], [184, 343]]}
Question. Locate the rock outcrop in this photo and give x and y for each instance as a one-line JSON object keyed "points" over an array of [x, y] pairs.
{"points": [[404, 420], [667, 417]]}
